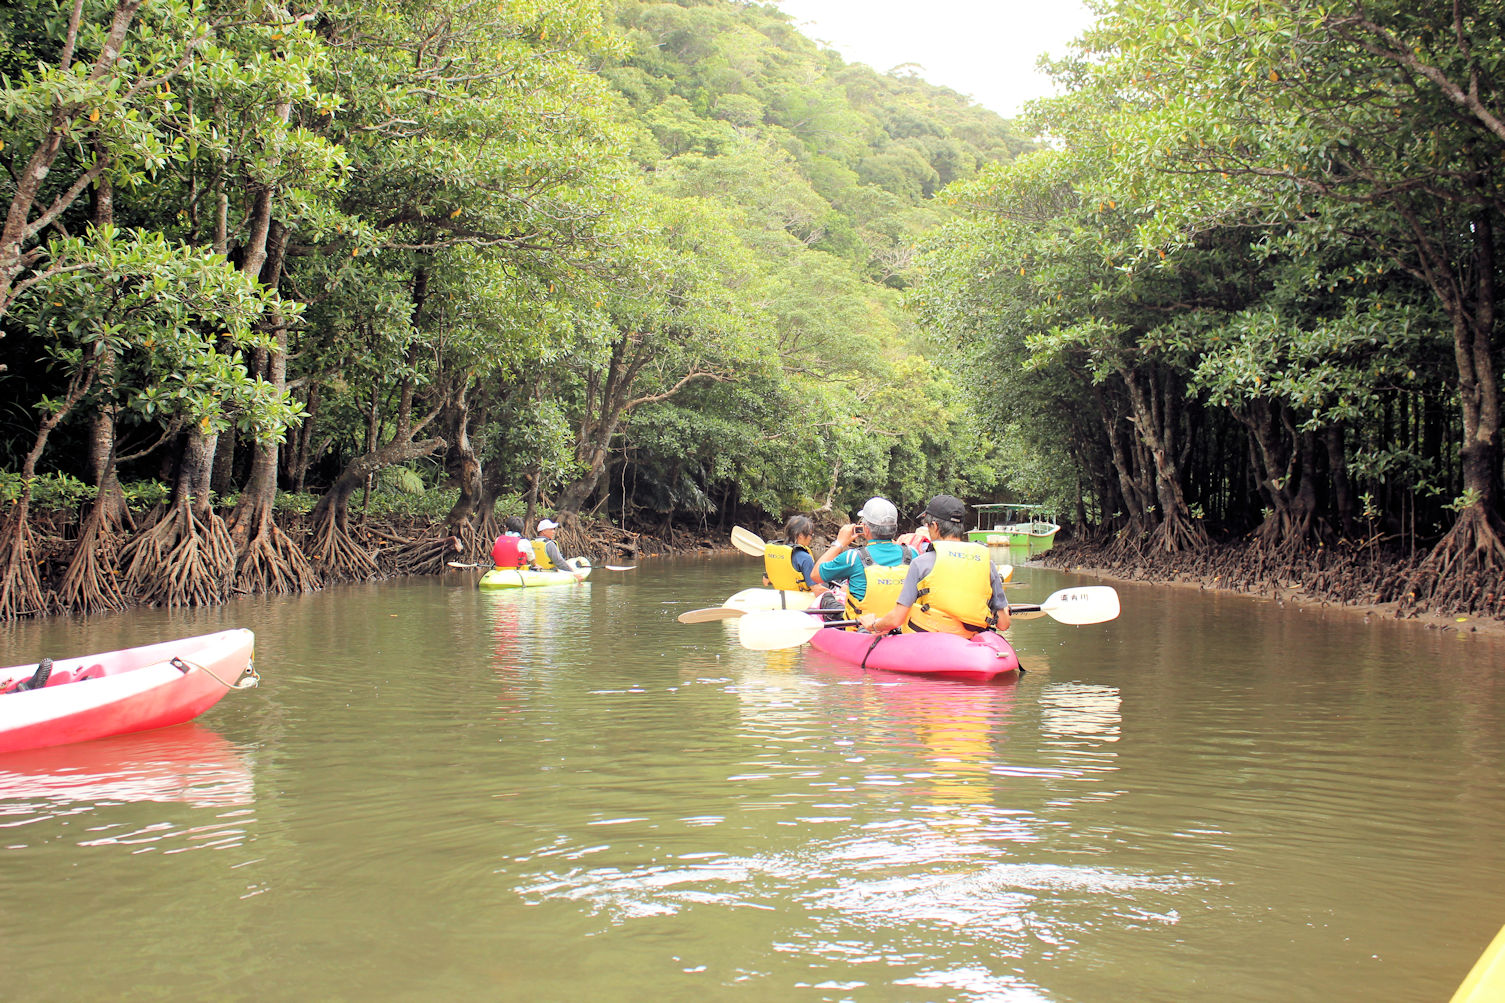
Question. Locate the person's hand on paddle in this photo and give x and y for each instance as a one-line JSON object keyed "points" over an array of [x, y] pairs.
{"points": [[866, 621]]}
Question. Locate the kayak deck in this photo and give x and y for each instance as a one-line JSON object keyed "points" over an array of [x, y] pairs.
{"points": [[118, 692], [522, 578], [946, 656]]}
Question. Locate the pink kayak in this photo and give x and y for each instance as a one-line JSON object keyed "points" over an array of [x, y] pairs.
{"points": [[136, 689], [947, 656]]}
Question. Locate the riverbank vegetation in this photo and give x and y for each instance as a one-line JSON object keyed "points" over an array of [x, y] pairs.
{"points": [[634, 262], [296, 295], [1251, 293]]}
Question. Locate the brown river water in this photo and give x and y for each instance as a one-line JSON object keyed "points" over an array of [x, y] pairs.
{"points": [[563, 794]]}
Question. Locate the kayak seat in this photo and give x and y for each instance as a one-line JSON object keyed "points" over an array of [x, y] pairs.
{"points": [[95, 671], [37, 680]]}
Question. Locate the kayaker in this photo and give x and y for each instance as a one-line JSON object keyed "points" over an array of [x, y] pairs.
{"points": [[789, 566], [952, 587], [552, 557], [510, 549], [868, 560]]}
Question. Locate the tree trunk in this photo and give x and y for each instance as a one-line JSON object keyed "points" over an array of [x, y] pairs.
{"points": [[266, 559], [1177, 530]]}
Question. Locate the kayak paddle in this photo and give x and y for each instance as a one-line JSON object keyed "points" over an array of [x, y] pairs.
{"points": [[619, 567], [769, 630], [710, 613], [1079, 606], [748, 542]]}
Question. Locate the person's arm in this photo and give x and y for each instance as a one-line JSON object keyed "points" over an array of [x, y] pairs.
{"points": [[805, 565], [844, 537], [525, 547], [552, 552], [999, 602]]}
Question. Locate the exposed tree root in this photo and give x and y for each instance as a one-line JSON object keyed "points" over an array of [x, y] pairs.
{"points": [[20, 590], [1463, 572], [334, 553], [181, 560], [423, 557], [91, 584], [488, 528], [271, 562], [1344, 573], [1177, 534], [473, 543], [184, 560]]}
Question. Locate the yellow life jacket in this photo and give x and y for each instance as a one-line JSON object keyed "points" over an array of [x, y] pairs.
{"points": [[778, 565], [954, 597], [541, 555], [883, 584]]}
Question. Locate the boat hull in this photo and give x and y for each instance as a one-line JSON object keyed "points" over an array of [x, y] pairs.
{"points": [[119, 692], [509, 578], [1026, 538], [947, 656], [752, 600]]}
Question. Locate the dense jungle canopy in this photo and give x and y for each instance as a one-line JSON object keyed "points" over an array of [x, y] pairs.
{"points": [[295, 294]]}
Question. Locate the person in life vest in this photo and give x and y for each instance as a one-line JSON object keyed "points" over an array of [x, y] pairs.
{"points": [[789, 566], [510, 549], [953, 587], [868, 560], [551, 556]]}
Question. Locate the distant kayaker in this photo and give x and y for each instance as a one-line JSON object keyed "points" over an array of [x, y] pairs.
{"points": [[953, 587], [510, 549], [552, 557], [787, 563], [868, 560]]}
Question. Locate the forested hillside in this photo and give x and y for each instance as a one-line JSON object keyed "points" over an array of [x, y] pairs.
{"points": [[294, 295]]}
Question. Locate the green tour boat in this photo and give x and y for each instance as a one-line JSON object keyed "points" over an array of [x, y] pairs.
{"points": [[1026, 529]]}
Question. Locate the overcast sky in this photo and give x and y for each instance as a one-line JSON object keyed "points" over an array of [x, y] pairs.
{"points": [[983, 48]]}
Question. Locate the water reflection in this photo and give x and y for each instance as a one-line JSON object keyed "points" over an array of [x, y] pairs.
{"points": [[187, 763], [1081, 709], [96, 793]]}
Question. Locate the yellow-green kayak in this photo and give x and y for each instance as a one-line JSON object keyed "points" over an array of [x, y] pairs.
{"points": [[514, 578], [1486, 982]]}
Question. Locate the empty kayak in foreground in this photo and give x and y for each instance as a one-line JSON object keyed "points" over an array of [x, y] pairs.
{"points": [[116, 692]]}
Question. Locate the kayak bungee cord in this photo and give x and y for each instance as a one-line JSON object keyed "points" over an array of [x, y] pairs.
{"points": [[249, 679]]}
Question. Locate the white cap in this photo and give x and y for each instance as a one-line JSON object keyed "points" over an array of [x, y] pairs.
{"points": [[880, 513], [544, 524]]}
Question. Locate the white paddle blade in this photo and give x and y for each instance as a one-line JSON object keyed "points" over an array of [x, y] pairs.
{"points": [[748, 542], [1005, 572], [771, 629], [619, 567], [709, 613], [1083, 605]]}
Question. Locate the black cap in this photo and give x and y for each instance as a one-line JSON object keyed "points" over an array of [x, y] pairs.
{"points": [[945, 508]]}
